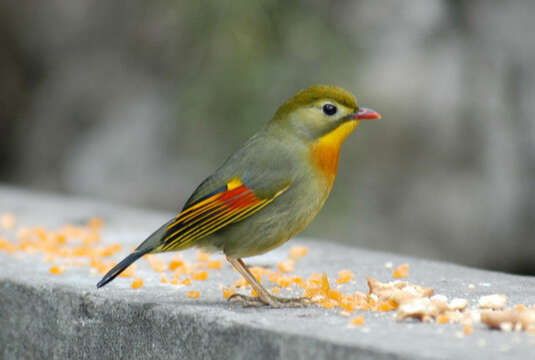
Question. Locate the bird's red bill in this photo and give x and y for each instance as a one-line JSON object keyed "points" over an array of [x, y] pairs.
{"points": [[367, 114]]}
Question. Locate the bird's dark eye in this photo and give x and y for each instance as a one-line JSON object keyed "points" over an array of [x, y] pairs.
{"points": [[329, 109]]}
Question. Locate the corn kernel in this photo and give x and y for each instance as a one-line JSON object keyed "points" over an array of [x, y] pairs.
{"points": [[284, 281], [56, 270], [334, 294], [228, 292], [357, 321], [200, 275], [297, 252], [311, 292], [274, 277], [299, 281], [344, 276], [347, 303], [325, 283], [240, 283], [467, 329], [156, 263], [104, 267], [137, 283], [214, 264], [385, 306], [7, 221], [129, 271], [328, 303], [194, 294], [315, 278], [7, 246], [110, 250], [95, 223], [258, 272], [176, 262], [286, 266], [203, 256], [402, 271]]}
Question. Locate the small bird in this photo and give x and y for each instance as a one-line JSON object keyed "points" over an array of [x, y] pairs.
{"points": [[266, 192]]}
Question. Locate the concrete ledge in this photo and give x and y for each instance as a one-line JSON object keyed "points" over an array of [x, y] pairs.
{"points": [[64, 316]]}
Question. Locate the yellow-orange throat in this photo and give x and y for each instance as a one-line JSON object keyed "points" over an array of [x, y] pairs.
{"points": [[325, 151]]}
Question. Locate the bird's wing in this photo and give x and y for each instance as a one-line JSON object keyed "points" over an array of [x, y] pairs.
{"points": [[230, 203]]}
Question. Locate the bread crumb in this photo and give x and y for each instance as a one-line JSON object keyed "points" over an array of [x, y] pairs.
{"points": [[439, 297], [506, 326], [494, 301], [458, 304], [510, 319]]}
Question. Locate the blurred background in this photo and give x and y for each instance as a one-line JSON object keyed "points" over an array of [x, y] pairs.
{"points": [[137, 101]]}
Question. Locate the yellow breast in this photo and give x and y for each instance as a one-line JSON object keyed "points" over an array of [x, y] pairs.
{"points": [[325, 151]]}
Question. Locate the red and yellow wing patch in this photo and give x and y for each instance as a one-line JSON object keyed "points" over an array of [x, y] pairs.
{"points": [[229, 204]]}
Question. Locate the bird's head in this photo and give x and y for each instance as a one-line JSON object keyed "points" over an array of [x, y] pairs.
{"points": [[319, 111]]}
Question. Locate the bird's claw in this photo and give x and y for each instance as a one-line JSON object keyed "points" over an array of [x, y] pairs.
{"points": [[293, 302], [247, 301], [275, 302]]}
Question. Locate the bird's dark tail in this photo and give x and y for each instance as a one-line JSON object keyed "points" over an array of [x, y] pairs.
{"points": [[120, 267], [151, 243]]}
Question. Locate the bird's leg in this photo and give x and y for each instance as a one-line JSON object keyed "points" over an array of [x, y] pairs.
{"points": [[264, 297]]}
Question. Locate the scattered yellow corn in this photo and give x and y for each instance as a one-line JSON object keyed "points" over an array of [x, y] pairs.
{"points": [[194, 294]]}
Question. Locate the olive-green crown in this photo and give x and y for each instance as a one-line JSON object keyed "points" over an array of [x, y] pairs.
{"points": [[314, 93]]}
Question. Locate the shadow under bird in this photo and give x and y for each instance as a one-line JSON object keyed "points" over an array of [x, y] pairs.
{"points": [[266, 192]]}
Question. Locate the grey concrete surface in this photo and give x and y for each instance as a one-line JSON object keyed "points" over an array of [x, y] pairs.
{"points": [[66, 317]]}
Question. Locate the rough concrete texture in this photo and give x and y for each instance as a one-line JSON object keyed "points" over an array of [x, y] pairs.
{"points": [[65, 316]]}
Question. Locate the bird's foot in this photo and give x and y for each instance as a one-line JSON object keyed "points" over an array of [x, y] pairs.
{"points": [[292, 302], [247, 301], [273, 301]]}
